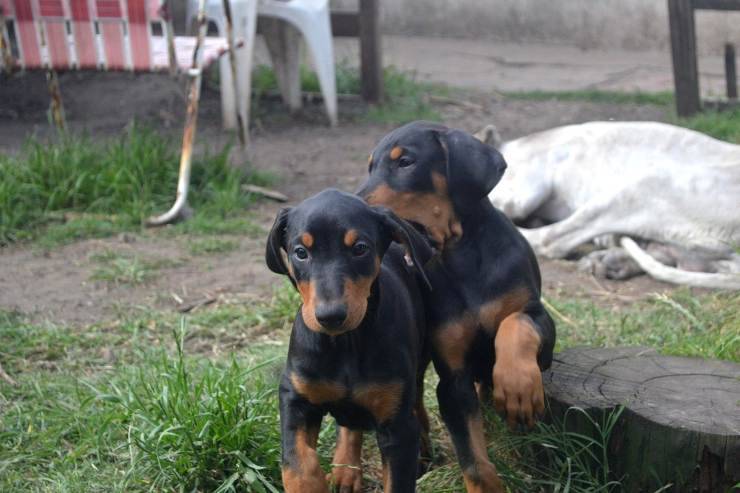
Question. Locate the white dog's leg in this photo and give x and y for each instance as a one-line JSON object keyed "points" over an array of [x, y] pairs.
{"points": [[678, 276], [559, 239]]}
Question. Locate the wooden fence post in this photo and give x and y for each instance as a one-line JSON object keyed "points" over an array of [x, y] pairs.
{"points": [[372, 65], [683, 50], [730, 73]]}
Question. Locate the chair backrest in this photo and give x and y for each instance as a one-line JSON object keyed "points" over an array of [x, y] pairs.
{"points": [[85, 34]]}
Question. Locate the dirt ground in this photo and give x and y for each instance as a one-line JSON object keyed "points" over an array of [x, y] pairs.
{"points": [[301, 150]]}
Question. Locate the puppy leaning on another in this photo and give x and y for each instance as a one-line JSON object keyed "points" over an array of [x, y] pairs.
{"points": [[357, 348], [487, 325]]}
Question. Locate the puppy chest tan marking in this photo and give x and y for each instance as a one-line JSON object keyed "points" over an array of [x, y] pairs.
{"points": [[493, 312], [453, 340], [318, 392], [381, 399]]}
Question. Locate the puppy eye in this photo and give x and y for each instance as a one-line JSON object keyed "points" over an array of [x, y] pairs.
{"points": [[300, 253], [405, 161], [359, 249]]}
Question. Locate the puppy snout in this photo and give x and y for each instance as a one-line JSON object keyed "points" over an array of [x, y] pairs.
{"points": [[331, 315]]}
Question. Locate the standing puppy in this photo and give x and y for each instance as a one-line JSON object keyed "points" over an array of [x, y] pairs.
{"points": [[487, 325], [357, 348]]}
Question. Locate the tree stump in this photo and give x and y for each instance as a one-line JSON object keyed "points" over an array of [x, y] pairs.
{"points": [[681, 418]]}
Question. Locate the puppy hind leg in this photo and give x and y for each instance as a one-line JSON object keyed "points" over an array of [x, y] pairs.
{"points": [[398, 442], [426, 453], [458, 404]]}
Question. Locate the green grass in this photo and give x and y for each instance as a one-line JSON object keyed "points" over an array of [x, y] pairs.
{"points": [[126, 406], [198, 426], [79, 188], [405, 99], [596, 96], [723, 125], [211, 245], [679, 324]]}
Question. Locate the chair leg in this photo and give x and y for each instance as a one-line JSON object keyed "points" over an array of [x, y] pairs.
{"points": [[320, 45], [283, 43], [228, 94], [6, 55], [186, 156], [56, 106], [232, 89], [244, 28]]}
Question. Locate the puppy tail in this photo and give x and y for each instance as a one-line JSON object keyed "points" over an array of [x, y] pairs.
{"points": [[489, 135], [673, 275]]}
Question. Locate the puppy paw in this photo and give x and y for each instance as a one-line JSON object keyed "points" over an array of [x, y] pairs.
{"points": [[614, 263], [518, 394], [345, 479]]}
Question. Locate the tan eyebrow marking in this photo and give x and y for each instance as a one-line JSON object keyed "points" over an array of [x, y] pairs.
{"points": [[350, 237], [396, 152], [307, 239]]}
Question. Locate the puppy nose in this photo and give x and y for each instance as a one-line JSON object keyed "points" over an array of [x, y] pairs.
{"points": [[331, 315]]}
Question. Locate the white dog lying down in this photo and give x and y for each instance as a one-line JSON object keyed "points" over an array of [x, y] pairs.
{"points": [[644, 180]]}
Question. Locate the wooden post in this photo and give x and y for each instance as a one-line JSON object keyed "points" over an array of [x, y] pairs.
{"points": [[683, 50], [680, 417], [370, 54], [730, 73]]}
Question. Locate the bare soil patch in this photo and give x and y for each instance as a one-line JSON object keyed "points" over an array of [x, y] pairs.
{"points": [[301, 150]]}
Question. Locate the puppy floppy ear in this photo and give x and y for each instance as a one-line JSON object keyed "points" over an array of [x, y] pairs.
{"points": [[473, 168], [416, 246], [276, 243]]}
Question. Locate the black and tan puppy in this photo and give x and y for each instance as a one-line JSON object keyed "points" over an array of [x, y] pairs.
{"points": [[486, 322], [357, 349]]}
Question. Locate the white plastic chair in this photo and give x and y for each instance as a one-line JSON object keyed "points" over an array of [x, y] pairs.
{"points": [[244, 15], [311, 18]]}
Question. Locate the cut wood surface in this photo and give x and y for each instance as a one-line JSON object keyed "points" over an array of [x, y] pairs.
{"points": [[681, 418]]}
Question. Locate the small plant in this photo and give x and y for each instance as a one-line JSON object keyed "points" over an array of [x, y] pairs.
{"points": [[211, 245], [557, 459], [121, 269], [200, 427]]}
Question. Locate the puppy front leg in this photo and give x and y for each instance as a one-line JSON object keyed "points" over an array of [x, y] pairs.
{"points": [[523, 348], [300, 424], [399, 442], [346, 475]]}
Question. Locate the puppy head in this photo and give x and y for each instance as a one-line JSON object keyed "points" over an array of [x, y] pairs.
{"points": [[331, 246], [432, 175]]}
